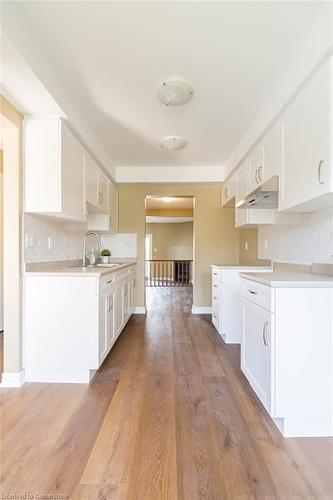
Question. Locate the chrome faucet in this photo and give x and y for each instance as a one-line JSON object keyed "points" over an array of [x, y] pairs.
{"points": [[89, 233]]}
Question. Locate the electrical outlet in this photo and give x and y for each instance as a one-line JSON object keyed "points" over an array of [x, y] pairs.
{"points": [[266, 244], [246, 246], [29, 241]]}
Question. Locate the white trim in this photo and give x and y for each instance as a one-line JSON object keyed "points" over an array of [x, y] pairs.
{"points": [[140, 310], [231, 339], [13, 379], [201, 310], [60, 377], [170, 174]]}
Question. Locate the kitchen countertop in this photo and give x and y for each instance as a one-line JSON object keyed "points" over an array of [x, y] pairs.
{"points": [[280, 279], [250, 268], [76, 271]]}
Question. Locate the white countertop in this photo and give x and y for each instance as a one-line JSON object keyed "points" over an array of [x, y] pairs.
{"points": [[280, 279], [76, 271], [242, 268]]}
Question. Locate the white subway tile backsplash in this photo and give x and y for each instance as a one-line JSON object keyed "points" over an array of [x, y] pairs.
{"points": [[305, 243], [53, 240]]}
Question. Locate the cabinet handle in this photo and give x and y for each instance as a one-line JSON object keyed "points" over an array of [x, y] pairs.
{"points": [[320, 179], [215, 274], [256, 176], [260, 173], [264, 334], [109, 281], [215, 286], [215, 298], [253, 292]]}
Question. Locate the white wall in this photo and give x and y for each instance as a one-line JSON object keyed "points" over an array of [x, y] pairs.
{"points": [[311, 241]]}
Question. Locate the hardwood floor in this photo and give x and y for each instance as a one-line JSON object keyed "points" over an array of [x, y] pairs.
{"points": [[169, 416]]}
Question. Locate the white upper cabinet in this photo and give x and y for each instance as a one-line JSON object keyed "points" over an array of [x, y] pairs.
{"points": [[306, 180], [229, 192], [91, 182], [255, 167], [242, 181], [270, 166], [264, 159], [113, 208], [53, 169], [103, 191], [253, 217]]}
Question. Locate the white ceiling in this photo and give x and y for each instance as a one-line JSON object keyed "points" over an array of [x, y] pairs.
{"points": [[111, 56], [169, 203]]}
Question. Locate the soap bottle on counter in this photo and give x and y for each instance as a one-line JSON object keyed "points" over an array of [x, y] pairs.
{"points": [[92, 257]]}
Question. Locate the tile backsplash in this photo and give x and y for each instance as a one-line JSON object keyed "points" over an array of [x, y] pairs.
{"points": [[305, 243], [50, 240]]}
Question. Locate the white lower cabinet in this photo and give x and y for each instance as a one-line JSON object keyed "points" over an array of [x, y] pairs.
{"points": [[72, 322], [106, 319], [256, 360], [287, 357], [226, 300]]}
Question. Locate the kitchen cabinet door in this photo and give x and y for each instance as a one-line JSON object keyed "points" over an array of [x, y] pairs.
{"points": [[54, 170], [256, 351], [103, 192], [118, 309], [126, 300], [271, 143], [103, 326], [72, 172], [113, 208], [111, 336], [242, 181], [91, 180], [255, 167], [306, 168], [229, 192]]}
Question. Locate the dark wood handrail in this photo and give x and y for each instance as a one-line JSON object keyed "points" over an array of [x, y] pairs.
{"points": [[168, 272]]}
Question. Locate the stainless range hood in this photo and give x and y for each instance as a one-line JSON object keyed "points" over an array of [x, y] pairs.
{"points": [[266, 196]]}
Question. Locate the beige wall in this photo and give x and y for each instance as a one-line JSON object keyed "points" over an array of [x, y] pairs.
{"points": [[184, 212], [215, 237], [11, 122], [172, 241]]}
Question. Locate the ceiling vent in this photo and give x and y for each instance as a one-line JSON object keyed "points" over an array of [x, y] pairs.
{"points": [[173, 143], [174, 92]]}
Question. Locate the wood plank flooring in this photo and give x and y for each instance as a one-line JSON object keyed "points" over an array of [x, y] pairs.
{"points": [[168, 416]]}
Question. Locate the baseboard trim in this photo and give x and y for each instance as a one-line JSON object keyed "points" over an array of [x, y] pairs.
{"points": [[13, 379], [140, 310], [231, 339], [201, 310], [59, 376]]}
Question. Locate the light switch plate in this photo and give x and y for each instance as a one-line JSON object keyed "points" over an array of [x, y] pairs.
{"points": [[29, 241]]}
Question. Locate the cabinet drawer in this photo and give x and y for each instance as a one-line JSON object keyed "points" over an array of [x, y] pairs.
{"points": [[257, 293]]}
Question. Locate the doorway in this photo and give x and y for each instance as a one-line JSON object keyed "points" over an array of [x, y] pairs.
{"points": [[169, 245]]}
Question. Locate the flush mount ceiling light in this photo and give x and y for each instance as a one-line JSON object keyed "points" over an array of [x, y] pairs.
{"points": [[174, 92], [173, 143], [167, 199]]}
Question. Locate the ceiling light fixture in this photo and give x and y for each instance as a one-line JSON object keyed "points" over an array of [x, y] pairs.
{"points": [[174, 92], [167, 199], [173, 143]]}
